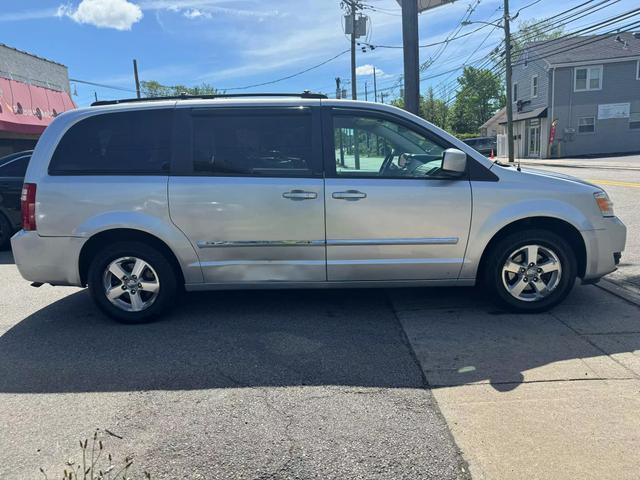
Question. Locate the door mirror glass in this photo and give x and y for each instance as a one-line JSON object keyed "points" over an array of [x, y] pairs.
{"points": [[454, 161]]}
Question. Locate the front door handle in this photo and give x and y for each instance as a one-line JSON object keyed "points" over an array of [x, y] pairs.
{"points": [[300, 195], [349, 195]]}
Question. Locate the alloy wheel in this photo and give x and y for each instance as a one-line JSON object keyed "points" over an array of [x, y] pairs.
{"points": [[131, 284], [531, 273]]}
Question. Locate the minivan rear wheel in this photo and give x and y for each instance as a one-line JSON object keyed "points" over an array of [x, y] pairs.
{"points": [[131, 282], [531, 271]]}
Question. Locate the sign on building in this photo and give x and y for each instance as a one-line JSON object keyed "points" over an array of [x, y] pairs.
{"points": [[613, 110], [428, 4]]}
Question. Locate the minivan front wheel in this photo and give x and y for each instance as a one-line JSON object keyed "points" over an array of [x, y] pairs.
{"points": [[131, 282], [531, 271]]}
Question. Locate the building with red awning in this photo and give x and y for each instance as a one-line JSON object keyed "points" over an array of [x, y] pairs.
{"points": [[33, 91]]}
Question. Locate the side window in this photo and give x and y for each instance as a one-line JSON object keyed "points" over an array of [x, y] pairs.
{"points": [[256, 144], [372, 146], [122, 143], [15, 168]]}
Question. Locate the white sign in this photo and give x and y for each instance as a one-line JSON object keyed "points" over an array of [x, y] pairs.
{"points": [[428, 4], [613, 110]]}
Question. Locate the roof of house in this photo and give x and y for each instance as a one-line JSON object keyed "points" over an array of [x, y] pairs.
{"points": [[497, 118], [585, 48]]}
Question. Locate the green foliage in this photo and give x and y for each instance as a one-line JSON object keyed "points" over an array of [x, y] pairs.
{"points": [[432, 109], [480, 95], [152, 88], [534, 30]]}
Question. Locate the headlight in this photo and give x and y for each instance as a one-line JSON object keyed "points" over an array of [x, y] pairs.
{"points": [[604, 204]]}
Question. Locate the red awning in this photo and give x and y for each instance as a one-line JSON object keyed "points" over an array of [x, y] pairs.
{"points": [[28, 109]]}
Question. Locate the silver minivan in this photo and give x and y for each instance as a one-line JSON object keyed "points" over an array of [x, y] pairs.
{"points": [[139, 200]]}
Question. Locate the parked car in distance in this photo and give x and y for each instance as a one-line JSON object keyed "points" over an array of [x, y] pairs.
{"points": [[139, 199], [12, 170], [484, 145]]}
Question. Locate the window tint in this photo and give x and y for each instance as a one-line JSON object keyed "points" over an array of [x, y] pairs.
{"points": [[269, 144], [116, 143], [15, 168], [370, 146]]}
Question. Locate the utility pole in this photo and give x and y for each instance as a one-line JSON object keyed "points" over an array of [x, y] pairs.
{"points": [[366, 93], [382, 97], [135, 76], [95, 94], [338, 90], [411, 55], [507, 53], [354, 93], [375, 86]]}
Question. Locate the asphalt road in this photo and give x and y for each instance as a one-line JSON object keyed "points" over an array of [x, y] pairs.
{"points": [[290, 384]]}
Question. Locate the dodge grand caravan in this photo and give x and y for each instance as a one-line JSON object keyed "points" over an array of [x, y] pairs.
{"points": [[140, 199]]}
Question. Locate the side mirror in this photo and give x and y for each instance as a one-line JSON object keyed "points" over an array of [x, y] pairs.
{"points": [[454, 161]]}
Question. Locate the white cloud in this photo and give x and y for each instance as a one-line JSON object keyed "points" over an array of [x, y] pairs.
{"points": [[196, 13], [118, 14]]}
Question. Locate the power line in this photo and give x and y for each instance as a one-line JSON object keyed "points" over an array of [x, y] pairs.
{"points": [[271, 82]]}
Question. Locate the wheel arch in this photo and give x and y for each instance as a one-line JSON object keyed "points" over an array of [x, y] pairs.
{"points": [[105, 237], [558, 226]]}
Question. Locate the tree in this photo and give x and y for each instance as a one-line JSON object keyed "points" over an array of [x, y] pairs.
{"points": [[432, 109], [152, 88], [480, 94]]}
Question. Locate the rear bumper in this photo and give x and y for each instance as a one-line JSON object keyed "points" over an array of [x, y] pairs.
{"points": [[604, 247], [47, 259]]}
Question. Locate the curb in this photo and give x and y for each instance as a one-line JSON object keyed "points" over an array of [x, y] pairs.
{"points": [[619, 291], [581, 165]]}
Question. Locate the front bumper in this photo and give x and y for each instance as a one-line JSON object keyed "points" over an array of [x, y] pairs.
{"points": [[604, 247], [51, 260]]}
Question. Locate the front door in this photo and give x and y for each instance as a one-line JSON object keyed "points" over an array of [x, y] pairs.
{"points": [[391, 213], [250, 193], [534, 138]]}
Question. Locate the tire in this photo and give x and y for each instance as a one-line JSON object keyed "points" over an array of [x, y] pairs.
{"points": [[134, 298], [554, 272], [5, 232]]}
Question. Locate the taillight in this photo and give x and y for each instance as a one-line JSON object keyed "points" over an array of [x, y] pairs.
{"points": [[28, 206]]}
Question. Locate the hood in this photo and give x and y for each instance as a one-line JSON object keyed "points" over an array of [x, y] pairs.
{"points": [[544, 175]]}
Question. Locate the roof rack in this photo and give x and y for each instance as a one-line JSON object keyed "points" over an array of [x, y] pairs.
{"points": [[305, 94]]}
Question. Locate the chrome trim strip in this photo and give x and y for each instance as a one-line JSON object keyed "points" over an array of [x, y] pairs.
{"points": [[330, 243], [394, 241], [259, 243]]}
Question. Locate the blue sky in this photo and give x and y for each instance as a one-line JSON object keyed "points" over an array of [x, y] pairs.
{"points": [[232, 44]]}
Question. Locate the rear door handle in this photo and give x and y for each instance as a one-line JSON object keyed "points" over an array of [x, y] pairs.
{"points": [[300, 195], [349, 195]]}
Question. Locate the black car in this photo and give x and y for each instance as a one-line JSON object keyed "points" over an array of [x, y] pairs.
{"points": [[484, 145], [12, 170]]}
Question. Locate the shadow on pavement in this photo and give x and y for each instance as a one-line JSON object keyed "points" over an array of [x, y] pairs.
{"points": [[212, 340], [6, 257], [460, 338], [318, 337]]}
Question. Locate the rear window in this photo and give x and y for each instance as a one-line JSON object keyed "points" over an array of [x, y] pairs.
{"points": [[257, 144], [123, 143]]}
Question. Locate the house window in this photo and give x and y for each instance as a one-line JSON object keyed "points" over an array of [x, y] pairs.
{"points": [[587, 125], [587, 78], [515, 92], [534, 86]]}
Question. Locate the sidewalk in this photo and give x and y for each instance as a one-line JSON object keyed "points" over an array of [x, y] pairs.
{"points": [[629, 162], [550, 396]]}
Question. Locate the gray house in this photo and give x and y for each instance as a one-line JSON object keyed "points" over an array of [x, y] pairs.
{"points": [[576, 96]]}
